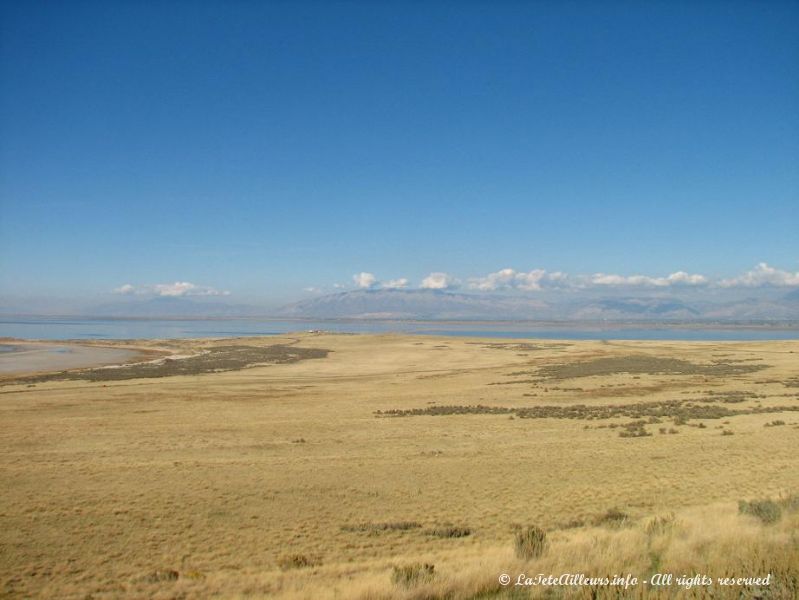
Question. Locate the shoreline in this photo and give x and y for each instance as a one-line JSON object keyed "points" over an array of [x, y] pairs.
{"points": [[71, 358], [788, 324], [141, 330], [31, 357]]}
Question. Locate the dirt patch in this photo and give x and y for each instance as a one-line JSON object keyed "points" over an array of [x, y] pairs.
{"points": [[519, 346]]}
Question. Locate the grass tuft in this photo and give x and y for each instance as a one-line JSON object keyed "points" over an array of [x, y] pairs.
{"points": [[413, 574], [530, 542], [660, 525], [613, 518], [297, 561], [448, 531], [378, 527]]}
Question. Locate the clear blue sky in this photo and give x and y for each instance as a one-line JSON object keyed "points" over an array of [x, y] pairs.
{"points": [[262, 148]]}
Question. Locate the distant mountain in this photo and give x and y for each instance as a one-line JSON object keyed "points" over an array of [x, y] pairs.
{"points": [[417, 304], [440, 304], [172, 307], [437, 304], [636, 308], [754, 309]]}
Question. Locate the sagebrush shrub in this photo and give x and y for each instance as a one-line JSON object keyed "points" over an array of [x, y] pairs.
{"points": [[767, 510], [530, 542]]}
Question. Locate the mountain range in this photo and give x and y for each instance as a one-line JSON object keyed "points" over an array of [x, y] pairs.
{"points": [[436, 304], [423, 304]]}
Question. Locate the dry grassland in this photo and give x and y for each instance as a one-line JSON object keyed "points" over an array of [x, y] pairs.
{"points": [[294, 472]]}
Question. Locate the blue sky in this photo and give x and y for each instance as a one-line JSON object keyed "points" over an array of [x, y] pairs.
{"points": [[264, 149]]}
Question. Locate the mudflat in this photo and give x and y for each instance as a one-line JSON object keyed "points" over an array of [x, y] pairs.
{"points": [[392, 466], [30, 357]]}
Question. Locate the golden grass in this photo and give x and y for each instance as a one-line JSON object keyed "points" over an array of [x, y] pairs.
{"points": [[713, 541], [280, 480]]}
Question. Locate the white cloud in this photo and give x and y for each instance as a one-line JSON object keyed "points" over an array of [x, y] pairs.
{"points": [[629, 280], [394, 284], [439, 281], [538, 279], [365, 280], [176, 289], [179, 288], [683, 278], [557, 276], [512, 279], [368, 281], [762, 275], [532, 280], [541, 279], [312, 290], [501, 279], [126, 290], [679, 278]]}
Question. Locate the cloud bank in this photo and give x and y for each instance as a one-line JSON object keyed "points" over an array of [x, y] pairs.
{"points": [[680, 278], [512, 279], [396, 284], [763, 275], [439, 281], [539, 279], [535, 280], [368, 281], [365, 280], [175, 290]]}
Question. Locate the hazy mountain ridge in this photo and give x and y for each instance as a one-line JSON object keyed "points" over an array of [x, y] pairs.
{"points": [[435, 304], [173, 307], [635, 308], [446, 305], [416, 304]]}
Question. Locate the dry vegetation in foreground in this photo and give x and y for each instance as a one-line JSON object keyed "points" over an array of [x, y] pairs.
{"points": [[277, 480], [716, 541]]}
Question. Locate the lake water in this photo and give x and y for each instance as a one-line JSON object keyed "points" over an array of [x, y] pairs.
{"points": [[63, 329]]}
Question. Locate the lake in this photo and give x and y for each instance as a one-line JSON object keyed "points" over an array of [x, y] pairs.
{"points": [[87, 329]]}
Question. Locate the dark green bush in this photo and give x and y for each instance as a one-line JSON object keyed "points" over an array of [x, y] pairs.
{"points": [[766, 510]]}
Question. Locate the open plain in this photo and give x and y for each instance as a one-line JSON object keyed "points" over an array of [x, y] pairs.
{"points": [[385, 466]]}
